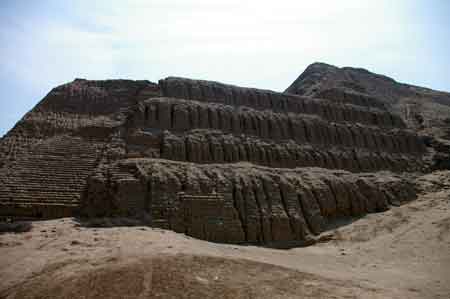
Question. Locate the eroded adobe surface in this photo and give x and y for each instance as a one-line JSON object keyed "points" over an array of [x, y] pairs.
{"points": [[241, 202], [424, 109], [215, 161]]}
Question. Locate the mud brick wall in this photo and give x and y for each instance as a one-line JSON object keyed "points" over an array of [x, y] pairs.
{"points": [[260, 204], [286, 166]]}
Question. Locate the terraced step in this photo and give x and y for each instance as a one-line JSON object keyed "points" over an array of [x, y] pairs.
{"points": [[209, 147], [40, 191], [209, 91], [36, 210], [180, 116], [39, 204], [53, 172]]}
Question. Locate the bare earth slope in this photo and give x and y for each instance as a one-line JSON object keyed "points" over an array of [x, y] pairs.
{"points": [[421, 108], [400, 253]]}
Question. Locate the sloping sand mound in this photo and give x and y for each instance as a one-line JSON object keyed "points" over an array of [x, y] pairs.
{"points": [[180, 276]]}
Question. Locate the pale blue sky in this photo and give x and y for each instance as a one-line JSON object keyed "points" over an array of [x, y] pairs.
{"points": [[264, 44]]}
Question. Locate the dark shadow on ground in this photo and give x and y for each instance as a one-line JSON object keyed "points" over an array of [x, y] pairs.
{"points": [[325, 236], [15, 227], [145, 220], [141, 220]]}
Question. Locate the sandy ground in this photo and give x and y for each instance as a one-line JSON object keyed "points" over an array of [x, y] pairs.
{"points": [[401, 253]]}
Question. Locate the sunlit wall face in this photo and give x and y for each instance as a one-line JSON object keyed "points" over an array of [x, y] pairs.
{"points": [[264, 44]]}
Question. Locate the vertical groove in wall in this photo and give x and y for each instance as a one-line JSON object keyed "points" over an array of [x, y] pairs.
{"points": [[238, 209]]}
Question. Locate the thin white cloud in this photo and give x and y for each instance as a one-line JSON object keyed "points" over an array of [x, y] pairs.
{"points": [[196, 37]]}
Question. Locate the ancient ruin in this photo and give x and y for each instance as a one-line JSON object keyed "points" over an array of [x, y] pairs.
{"points": [[215, 161]]}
